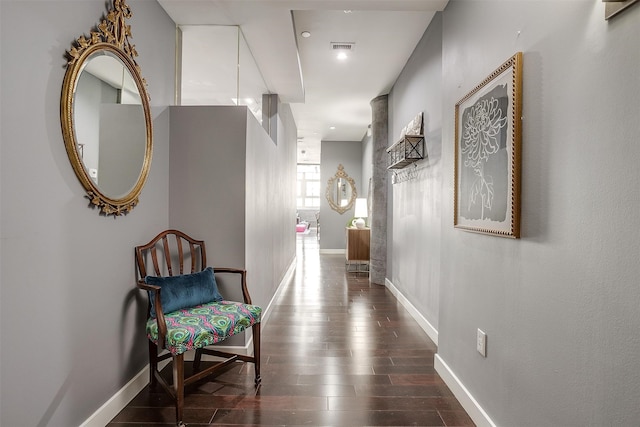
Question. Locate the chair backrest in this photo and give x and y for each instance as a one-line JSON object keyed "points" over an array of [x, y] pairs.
{"points": [[168, 252]]}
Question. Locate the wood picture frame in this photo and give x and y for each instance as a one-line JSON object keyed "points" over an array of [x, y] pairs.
{"points": [[488, 144], [614, 7]]}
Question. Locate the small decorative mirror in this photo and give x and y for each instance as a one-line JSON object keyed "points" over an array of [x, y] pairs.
{"points": [[105, 115], [341, 191]]}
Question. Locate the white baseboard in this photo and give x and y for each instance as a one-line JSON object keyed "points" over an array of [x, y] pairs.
{"points": [[118, 401], [332, 251], [475, 411], [121, 399], [413, 311], [288, 276], [468, 402]]}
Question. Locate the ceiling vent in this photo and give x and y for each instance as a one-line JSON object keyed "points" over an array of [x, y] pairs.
{"points": [[345, 46]]}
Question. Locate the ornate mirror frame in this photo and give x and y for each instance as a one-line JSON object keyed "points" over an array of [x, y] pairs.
{"points": [[331, 186], [112, 38]]}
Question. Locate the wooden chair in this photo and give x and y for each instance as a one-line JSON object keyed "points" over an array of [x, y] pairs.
{"points": [[202, 316]]}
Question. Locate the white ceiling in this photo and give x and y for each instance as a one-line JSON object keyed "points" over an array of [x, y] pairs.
{"points": [[323, 92]]}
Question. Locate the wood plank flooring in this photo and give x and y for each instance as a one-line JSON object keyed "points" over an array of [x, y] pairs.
{"points": [[336, 351]]}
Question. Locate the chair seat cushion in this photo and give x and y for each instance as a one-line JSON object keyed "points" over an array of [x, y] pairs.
{"points": [[203, 325]]}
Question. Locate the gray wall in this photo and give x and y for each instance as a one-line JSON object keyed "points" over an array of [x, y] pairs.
{"points": [[559, 305], [271, 204], [123, 145], [70, 318], [207, 170], [415, 224], [367, 164], [90, 91], [334, 153], [234, 188]]}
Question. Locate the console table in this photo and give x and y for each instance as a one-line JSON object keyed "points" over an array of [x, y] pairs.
{"points": [[357, 252]]}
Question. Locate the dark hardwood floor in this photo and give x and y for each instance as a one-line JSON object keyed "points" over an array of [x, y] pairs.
{"points": [[336, 351]]}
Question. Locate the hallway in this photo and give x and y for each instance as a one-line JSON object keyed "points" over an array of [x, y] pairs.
{"points": [[336, 351]]}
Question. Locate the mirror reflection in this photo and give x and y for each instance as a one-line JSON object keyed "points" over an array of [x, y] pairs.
{"points": [[105, 114], [109, 123], [341, 191]]}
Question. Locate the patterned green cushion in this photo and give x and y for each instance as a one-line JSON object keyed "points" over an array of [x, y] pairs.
{"points": [[204, 324]]}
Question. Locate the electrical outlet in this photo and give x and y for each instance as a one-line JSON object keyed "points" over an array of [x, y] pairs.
{"points": [[481, 343]]}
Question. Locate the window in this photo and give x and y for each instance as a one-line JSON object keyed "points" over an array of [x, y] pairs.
{"points": [[308, 187]]}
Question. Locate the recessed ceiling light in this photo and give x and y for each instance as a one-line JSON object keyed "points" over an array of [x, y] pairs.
{"points": [[305, 34], [348, 11], [332, 127], [342, 49]]}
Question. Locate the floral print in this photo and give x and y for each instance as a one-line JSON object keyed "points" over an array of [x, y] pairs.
{"points": [[480, 139], [204, 325]]}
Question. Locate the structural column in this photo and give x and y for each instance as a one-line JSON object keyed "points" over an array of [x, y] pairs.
{"points": [[380, 140]]}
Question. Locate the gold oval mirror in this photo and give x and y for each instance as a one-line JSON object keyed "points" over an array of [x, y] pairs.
{"points": [[105, 115], [341, 191]]}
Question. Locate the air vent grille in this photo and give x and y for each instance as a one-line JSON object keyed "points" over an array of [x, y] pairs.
{"points": [[348, 46]]}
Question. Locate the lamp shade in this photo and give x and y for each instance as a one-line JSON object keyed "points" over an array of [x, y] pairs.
{"points": [[361, 208]]}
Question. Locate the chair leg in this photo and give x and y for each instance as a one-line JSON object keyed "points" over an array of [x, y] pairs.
{"points": [[178, 386], [196, 360], [153, 365], [256, 352]]}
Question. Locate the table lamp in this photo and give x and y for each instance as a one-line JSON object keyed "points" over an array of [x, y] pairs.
{"points": [[360, 213]]}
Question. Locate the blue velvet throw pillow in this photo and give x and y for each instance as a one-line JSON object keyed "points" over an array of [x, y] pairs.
{"points": [[184, 291]]}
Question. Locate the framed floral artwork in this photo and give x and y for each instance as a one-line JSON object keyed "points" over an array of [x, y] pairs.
{"points": [[488, 139]]}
